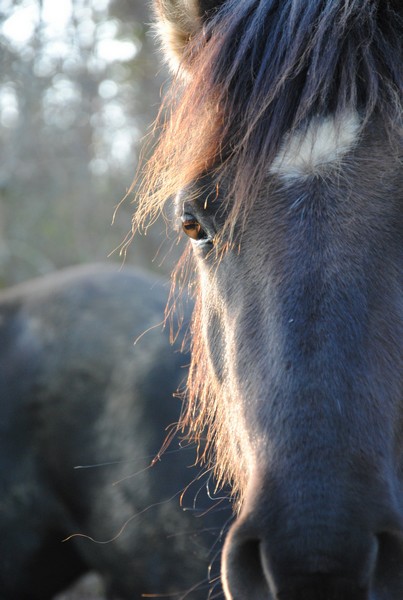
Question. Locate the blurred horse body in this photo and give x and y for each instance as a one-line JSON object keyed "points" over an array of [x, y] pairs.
{"points": [[77, 391]]}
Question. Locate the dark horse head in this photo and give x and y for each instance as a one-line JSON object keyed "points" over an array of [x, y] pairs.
{"points": [[282, 144]]}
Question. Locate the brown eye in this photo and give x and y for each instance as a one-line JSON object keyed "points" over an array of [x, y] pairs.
{"points": [[193, 229]]}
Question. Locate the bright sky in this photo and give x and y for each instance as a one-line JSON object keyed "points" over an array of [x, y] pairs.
{"points": [[62, 41], [20, 26]]}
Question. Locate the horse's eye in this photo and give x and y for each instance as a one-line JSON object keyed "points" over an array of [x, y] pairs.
{"points": [[193, 229]]}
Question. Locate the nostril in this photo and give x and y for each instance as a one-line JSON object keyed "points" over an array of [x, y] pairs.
{"points": [[252, 569], [243, 574], [390, 556], [249, 558], [321, 586]]}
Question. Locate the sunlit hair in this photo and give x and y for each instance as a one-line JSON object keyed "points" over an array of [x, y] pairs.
{"points": [[260, 69]]}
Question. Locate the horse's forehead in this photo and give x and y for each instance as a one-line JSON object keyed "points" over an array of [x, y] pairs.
{"points": [[320, 145]]}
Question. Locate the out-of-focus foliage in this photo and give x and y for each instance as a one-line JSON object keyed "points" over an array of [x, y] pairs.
{"points": [[79, 85]]}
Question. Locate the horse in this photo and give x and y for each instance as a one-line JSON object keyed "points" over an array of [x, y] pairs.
{"points": [[87, 375], [280, 146]]}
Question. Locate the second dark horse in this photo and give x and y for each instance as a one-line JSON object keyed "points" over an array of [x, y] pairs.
{"points": [[76, 391]]}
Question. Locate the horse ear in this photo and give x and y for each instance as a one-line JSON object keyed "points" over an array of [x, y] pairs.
{"points": [[178, 21]]}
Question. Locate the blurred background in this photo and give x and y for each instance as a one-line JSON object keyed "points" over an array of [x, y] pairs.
{"points": [[80, 85]]}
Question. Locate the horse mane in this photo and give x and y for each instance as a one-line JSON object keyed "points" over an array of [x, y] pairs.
{"points": [[258, 70], [262, 68]]}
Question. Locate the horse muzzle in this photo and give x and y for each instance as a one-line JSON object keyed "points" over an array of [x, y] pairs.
{"points": [[311, 553], [258, 569]]}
